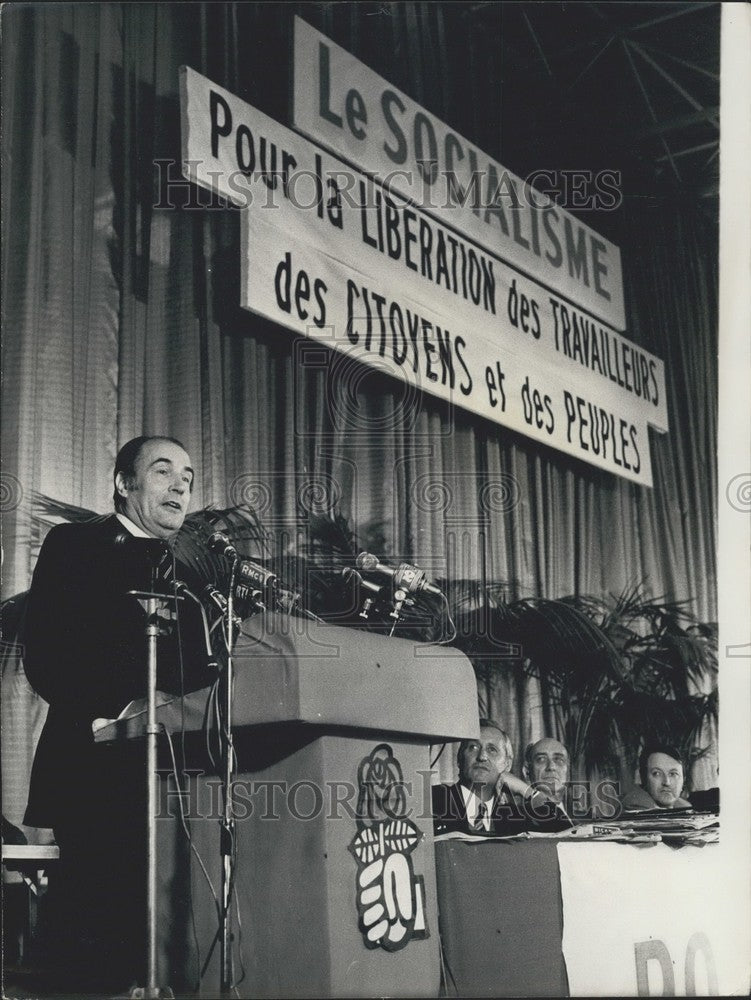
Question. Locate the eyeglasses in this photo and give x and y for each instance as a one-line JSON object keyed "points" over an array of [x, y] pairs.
{"points": [[490, 748]]}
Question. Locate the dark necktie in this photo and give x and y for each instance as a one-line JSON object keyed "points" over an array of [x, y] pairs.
{"points": [[482, 812]]}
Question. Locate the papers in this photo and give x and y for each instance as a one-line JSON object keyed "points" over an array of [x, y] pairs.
{"points": [[458, 835], [133, 708], [138, 706], [676, 828]]}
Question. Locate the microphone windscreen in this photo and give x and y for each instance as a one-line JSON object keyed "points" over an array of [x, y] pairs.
{"points": [[218, 542]]}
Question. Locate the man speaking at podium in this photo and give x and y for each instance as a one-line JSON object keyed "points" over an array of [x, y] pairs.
{"points": [[85, 653]]}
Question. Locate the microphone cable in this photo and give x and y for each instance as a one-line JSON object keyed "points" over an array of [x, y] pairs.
{"points": [[183, 819], [194, 850], [452, 624], [214, 703]]}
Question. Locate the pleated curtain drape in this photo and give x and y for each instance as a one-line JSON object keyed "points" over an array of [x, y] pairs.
{"points": [[121, 317]]}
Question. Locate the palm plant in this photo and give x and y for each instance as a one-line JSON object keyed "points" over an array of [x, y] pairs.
{"points": [[670, 667], [575, 661], [615, 673]]}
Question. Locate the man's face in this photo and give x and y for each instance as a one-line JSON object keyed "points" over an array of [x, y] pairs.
{"points": [[158, 497], [482, 761], [548, 766], [664, 779]]}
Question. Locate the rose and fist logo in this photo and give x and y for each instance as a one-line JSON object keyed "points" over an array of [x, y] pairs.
{"points": [[390, 897]]}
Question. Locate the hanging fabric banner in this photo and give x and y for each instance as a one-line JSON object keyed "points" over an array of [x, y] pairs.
{"points": [[619, 941]]}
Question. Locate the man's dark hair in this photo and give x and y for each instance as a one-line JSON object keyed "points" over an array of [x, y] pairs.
{"points": [[126, 463], [651, 748], [530, 747]]}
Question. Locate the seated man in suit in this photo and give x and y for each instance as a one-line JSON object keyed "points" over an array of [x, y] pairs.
{"points": [[488, 800], [662, 775], [546, 766], [85, 653]]}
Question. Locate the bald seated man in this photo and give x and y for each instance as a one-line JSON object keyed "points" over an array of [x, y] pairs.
{"points": [[546, 766]]}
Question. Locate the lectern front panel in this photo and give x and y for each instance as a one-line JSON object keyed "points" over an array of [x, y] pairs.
{"points": [[335, 874]]}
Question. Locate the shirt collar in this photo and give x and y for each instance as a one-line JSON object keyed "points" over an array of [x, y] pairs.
{"points": [[133, 528]]}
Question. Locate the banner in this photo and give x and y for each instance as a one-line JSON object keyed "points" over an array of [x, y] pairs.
{"points": [[530, 360], [299, 286], [617, 942], [342, 104]]}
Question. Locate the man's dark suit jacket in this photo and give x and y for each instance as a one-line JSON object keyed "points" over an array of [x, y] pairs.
{"points": [[85, 654], [509, 816]]}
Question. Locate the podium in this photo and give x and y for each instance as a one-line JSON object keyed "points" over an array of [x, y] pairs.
{"points": [[335, 865]]}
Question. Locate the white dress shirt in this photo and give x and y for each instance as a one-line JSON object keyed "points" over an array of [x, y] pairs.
{"points": [[133, 528], [472, 806]]}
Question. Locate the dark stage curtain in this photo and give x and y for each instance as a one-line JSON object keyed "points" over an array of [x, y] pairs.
{"points": [[121, 318]]}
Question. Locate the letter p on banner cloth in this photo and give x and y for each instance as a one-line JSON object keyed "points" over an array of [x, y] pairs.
{"points": [[652, 921]]}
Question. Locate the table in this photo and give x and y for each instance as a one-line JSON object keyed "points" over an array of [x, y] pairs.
{"points": [[29, 861], [501, 918], [550, 917]]}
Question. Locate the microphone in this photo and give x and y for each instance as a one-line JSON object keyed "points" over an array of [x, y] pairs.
{"points": [[370, 564], [156, 549], [259, 576], [405, 576], [219, 543], [350, 574], [211, 593]]}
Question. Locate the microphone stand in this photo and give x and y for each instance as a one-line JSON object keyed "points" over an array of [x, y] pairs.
{"points": [[227, 836], [221, 544], [151, 597]]}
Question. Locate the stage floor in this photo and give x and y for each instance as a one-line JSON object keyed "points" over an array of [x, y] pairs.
{"points": [[30, 984]]}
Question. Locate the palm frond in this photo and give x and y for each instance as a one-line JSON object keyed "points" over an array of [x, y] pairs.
{"points": [[43, 507], [559, 640], [328, 534], [11, 650], [242, 527]]}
